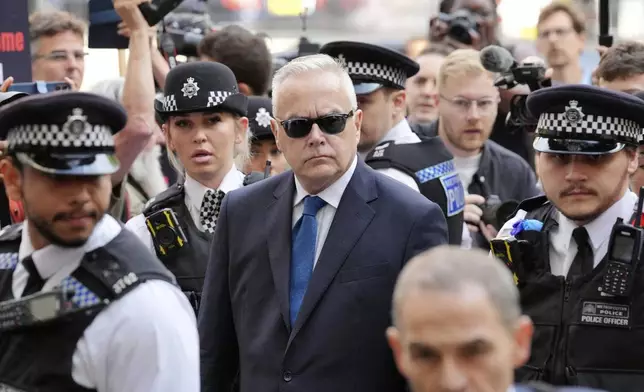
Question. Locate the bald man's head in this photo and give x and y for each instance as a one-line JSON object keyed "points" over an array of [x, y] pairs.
{"points": [[452, 270]]}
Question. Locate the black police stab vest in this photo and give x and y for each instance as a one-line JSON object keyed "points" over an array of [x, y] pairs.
{"points": [[189, 263], [38, 358], [581, 337], [432, 166]]}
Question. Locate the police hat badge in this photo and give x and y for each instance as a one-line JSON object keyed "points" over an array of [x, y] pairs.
{"points": [[76, 123], [263, 118], [341, 60], [190, 88], [573, 112]]}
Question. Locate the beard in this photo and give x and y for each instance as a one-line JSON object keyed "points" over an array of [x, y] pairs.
{"points": [[146, 171], [45, 229]]}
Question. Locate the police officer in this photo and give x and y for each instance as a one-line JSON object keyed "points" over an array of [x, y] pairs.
{"points": [[205, 129], [115, 319], [387, 143], [586, 150], [263, 148]]}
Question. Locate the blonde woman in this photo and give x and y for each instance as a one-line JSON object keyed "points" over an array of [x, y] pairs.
{"points": [[205, 127]]}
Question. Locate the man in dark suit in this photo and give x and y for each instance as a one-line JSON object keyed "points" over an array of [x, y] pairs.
{"points": [[303, 265], [458, 325]]}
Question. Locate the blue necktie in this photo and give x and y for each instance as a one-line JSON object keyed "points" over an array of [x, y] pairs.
{"points": [[303, 252]]}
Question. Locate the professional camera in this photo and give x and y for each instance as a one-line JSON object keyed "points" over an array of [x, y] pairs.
{"points": [[496, 212], [187, 30], [461, 25]]}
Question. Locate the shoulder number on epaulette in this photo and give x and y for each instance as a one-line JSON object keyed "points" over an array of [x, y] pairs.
{"points": [[379, 150]]}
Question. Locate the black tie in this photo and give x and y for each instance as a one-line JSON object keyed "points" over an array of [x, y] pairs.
{"points": [[35, 283], [582, 264]]}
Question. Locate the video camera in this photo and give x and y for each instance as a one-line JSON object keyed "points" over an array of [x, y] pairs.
{"points": [[186, 31], [461, 26]]}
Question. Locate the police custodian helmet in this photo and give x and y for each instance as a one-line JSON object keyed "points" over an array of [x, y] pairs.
{"points": [[200, 86], [371, 66], [585, 120], [63, 133]]}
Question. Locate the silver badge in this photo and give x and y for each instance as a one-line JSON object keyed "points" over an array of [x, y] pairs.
{"points": [[263, 118], [190, 88], [573, 113], [76, 123], [342, 60]]}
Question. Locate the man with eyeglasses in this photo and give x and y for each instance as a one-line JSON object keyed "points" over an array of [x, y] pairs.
{"points": [[495, 178], [387, 143], [57, 47], [561, 39], [302, 304]]}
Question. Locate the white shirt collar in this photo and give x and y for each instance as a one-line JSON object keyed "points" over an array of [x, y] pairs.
{"points": [[195, 191], [401, 132], [333, 193], [52, 258], [600, 228]]}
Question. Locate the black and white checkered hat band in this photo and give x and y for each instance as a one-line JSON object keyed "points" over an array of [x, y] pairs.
{"points": [[214, 98], [169, 103], [393, 75], [217, 97], [590, 126], [44, 135]]}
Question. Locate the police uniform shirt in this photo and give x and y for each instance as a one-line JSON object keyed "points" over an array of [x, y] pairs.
{"points": [[563, 247], [194, 194], [332, 196], [146, 341]]}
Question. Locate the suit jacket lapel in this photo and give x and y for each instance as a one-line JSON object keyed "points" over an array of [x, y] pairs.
{"points": [[278, 227], [351, 219]]}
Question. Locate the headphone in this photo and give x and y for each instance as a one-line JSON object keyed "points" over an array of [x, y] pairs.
{"points": [[17, 211]]}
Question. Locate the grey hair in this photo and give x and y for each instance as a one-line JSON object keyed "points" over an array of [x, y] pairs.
{"points": [[110, 88], [449, 268], [314, 63], [241, 155]]}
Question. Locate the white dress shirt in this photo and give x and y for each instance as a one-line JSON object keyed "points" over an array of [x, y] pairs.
{"points": [[563, 247], [146, 341], [194, 193], [332, 196]]}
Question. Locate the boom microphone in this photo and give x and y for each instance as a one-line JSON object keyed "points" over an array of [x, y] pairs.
{"points": [[497, 59]]}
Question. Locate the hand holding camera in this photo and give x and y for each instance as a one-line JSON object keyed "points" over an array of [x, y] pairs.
{"points": [[477, 215]]}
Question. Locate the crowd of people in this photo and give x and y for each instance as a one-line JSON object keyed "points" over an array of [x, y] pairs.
{"points": [[226, 225]]}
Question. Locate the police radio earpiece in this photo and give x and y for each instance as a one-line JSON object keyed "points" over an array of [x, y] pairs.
{"points": [[267, 170], [624, 251]]}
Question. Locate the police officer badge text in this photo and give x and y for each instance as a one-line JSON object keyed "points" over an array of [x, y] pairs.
{"points": [[610, 315], [447, 175]]}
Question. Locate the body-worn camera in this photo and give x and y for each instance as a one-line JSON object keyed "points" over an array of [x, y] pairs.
{"points": [[166, 232], [462, 26]]}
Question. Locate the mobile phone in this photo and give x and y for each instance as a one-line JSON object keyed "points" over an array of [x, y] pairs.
{"points": [[39, 87]]}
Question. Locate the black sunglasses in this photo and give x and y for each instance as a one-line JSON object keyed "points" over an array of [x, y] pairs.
{"points": [[331, 123]]}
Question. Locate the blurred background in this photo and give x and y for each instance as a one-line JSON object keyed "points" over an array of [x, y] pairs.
{"points": [[390, 23]]}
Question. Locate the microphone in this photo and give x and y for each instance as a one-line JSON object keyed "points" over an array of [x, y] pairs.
{"points": [[497, 59]]}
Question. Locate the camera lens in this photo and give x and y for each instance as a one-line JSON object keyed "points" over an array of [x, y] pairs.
{"points": [[460, 31], [166, 236]]}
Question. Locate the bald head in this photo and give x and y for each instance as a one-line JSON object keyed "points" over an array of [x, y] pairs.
{"points": [[451, 269]]}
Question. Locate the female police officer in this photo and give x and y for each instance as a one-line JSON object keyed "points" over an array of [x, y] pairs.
{"points": [[204, 125], [263, 148]]}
